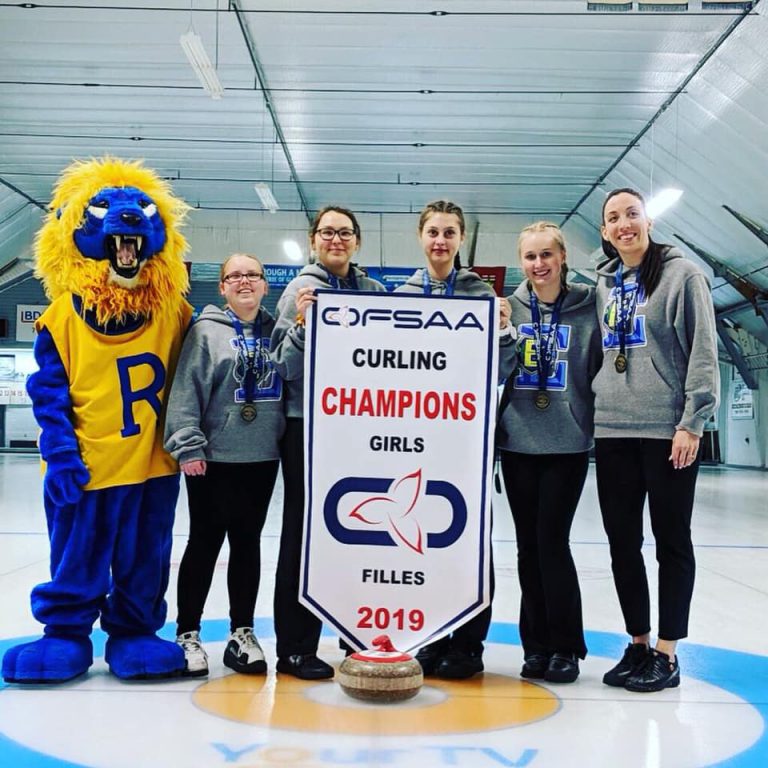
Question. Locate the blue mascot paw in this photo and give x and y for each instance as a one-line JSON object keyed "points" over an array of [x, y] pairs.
{"points": [[51, 659], [65, 477], [143, 657]]}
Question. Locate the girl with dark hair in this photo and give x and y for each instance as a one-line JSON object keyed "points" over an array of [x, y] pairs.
{"points": [[442, 230], [334, 238], [656, 390], [544, 436]]}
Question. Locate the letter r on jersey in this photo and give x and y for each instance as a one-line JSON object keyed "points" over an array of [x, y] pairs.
{"points": [[150, 392]]}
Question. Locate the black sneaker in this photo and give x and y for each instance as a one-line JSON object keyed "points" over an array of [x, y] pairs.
{"points": [[657, 673], [459, 665], [431, 655], [305, 666], [562, 668], [534, 666], [635, 655]]}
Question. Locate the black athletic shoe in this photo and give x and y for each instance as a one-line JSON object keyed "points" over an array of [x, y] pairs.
{"points": [[459, 665], [305, 666], [562, 668], [657, 673], [534, 666], [431, 655], [635, 655]]}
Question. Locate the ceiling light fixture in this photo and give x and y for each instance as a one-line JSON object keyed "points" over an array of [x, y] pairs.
{"points": [[662, 200], [192, 46], [292, 250], [265, 195]]}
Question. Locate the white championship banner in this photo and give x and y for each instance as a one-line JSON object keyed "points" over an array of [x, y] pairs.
{"points": [[399, 405]]}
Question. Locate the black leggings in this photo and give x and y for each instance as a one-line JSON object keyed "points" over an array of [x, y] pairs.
{"points": [[628, 470], [228, 500], [297, 630], [543, 493]]}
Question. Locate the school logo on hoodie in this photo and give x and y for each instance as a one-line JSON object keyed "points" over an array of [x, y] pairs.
{"points": [[527, 373], [269, 385]]}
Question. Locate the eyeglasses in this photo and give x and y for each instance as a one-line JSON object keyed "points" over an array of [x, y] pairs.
{"points": [[236, 277], [328, 233]]}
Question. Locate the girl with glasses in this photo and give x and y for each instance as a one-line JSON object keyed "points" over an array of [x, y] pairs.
{"points": [[441, 231], [656, 390], [224, 423], [334, 238]]}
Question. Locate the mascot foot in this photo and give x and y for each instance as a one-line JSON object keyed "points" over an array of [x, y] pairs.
{"points": [[143, 657], [51, 659]]}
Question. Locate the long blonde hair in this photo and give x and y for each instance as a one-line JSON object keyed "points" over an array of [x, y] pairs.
{"points": [[557, 235]]}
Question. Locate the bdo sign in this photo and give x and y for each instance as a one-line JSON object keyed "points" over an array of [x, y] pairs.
{"points": [[26, 315]]}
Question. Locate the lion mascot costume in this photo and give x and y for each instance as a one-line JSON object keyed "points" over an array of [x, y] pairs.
{"points": [[110, 258]]}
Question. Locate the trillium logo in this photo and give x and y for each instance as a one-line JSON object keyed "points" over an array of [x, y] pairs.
{"points": [[342, 316], [389, 511], [393, 511]]}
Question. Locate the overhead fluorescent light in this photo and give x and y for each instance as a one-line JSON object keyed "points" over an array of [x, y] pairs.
{"points": [[727, 5], [603, 7], [192, 46], [664, 199], [265, 195], [292, 250], [662, 6]]}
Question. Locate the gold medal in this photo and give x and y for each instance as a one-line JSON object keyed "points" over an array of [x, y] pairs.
{"points": [[248, 412], [541, 401], [620, 363]]}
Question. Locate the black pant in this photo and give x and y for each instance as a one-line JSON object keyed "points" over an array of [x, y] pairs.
{"points": [[297, 630], [543, 492], [628, 469], [469, 637], [228, 500]]}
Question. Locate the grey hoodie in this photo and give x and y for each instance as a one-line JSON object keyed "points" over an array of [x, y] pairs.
{"points": [[672, 379], [288, 338], [203, 420], [566, 425], [467, 284]]}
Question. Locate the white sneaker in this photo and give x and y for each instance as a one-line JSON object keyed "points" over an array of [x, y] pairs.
{"points": [[243, 653], [194, 653]]}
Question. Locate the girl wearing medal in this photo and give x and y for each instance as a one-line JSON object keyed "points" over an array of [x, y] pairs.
{"points": [[223, 425], [441, 232], [334, 238], [656, 390], [544, 436]]}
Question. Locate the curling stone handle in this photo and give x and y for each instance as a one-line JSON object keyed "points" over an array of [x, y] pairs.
{"points": [[383, 643]]}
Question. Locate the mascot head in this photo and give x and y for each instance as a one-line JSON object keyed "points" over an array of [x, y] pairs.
{"points": [[112, 238]]}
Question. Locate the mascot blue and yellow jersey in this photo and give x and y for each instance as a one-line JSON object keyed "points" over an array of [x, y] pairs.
{"points": [[110, 258]]}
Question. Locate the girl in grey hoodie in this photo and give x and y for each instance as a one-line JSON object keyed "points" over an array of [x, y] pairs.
{"points": [[441, 232], [544, 436], [656, 389], [334, 238], [224, 422]]}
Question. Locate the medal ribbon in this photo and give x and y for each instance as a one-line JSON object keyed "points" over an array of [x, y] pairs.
{"points": [[625, 308], [254, 364], [450, 283], [339, 284], [544, 343]]}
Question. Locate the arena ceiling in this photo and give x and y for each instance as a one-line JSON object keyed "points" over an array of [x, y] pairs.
{"points": [[517, 108]]}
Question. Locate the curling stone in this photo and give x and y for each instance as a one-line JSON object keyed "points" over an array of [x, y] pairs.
{"points": [[380, 675]]}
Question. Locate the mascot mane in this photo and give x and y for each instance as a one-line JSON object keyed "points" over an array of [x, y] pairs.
{"points": [[62, 268]]}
